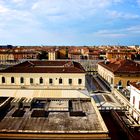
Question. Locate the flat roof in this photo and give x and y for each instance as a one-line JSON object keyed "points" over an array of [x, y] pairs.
{"points": [[56, 121]]}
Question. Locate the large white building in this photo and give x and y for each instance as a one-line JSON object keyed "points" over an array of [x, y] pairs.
{"points": [[41, 77], [48, 74], [53, 100], [135, 100]]}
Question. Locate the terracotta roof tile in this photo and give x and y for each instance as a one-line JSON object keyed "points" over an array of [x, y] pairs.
{"points": [[46, 67], [135, 84], [122, 66]]}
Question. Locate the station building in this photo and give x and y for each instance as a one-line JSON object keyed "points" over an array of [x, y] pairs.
{"points": [[47, 74], [49, 100]]}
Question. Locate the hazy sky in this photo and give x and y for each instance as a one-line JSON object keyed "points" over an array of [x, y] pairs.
{"points": [[70, 22]]}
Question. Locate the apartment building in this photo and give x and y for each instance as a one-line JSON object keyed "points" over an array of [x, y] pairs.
{"points": [[119, 72]]}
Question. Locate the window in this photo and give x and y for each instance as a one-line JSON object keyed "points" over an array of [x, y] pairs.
{"points": [[111, 80], [133, 99], [70, 81], [21, 80], [79, 81], [3, 79], [41, 80], [50, 81], [31, 81], [120, 83], [12, 80], [128, 83], [60, 80]]}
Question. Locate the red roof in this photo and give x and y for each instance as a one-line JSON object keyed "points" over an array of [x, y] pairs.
{"points": [[122, 66], [46, 67], [136, 84]]}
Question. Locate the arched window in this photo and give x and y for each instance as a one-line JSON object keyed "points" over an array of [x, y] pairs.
{"points": [[3, 79], [41, 80], [60, 81], [120, 83], [128, 83], [31, 80], [21, 80], [12, 80]]}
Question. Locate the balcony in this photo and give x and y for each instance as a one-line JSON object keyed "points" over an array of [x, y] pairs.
{"points": [[125, 92]]}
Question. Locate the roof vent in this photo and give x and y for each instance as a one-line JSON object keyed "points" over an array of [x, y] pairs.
{"points": [[106, 61]]}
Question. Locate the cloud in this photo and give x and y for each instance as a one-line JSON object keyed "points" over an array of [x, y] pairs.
{"points": [[138, 2], [119, 33], [115, 15], [3, 9], [67, 21], [9, 14], [18, 1], [70, 9], [133, 29], [56, 10], [110, 33]]}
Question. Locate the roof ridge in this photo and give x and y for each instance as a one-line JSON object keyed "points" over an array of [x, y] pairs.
{"points": [[121, 64], [31, 63]]}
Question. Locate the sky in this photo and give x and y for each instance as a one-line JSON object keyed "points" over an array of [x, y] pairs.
{"points": [[70, 22]]}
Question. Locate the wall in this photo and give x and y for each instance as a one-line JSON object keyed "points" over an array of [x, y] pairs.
{"points": [[114, 79], [135, 93], [106, 74], [128, 105], [125, 79], [45, 76]]}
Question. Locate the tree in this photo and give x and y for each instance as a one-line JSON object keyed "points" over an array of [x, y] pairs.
{"points": [[42, 55]]}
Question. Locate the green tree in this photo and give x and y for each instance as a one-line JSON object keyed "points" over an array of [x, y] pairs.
{"points": [[42, 55]]}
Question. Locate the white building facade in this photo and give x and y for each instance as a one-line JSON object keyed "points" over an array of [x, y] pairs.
{"points": [[51, 74], [135, 100]]}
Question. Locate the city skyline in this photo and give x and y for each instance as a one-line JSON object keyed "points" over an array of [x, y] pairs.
{"points": [[70, 22]]}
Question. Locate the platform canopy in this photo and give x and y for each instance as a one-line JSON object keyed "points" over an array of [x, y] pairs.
{"points": [[28, 93]]}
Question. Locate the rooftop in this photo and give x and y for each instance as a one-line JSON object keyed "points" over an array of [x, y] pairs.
{"points": [[54, 116], [121, 66], [106, 101], [44, 93], [136, 85], [46, 67]]}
